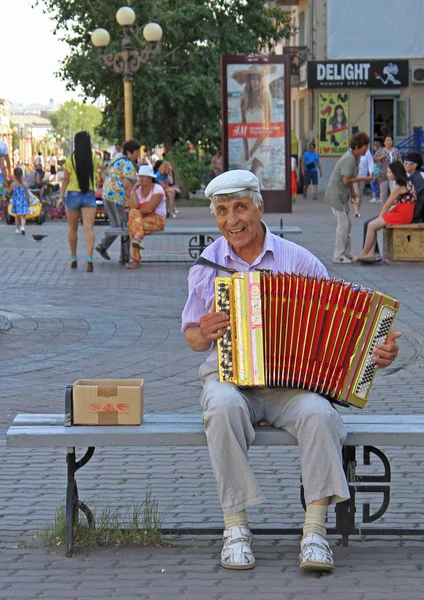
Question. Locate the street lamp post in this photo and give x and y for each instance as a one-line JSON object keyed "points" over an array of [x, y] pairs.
{"points": [[128, 61], [21, 143]]}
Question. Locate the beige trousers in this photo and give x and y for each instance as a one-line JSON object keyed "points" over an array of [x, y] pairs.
{"points": [[343, 246], [230, 414]]}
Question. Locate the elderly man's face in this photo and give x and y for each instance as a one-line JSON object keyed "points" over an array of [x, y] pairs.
{"points": [[239, 222]]}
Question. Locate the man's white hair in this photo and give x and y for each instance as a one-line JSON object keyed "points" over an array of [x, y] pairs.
{"points": [[255, 197]]}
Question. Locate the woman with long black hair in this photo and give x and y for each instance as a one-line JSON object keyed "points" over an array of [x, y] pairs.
{"points": [[79, 184], [397, 210]]}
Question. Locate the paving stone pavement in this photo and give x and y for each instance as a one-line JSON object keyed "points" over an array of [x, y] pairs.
{"points": [[58, 325]]}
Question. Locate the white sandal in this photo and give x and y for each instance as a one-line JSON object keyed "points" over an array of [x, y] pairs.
{"points": [[237, 552], [315, 553]]}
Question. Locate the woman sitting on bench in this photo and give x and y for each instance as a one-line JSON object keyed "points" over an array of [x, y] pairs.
{"points": [[147, 213], [397, 210]]}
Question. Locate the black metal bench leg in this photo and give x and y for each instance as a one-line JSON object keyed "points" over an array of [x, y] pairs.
{"points": [[125, 256], [72, 501]]}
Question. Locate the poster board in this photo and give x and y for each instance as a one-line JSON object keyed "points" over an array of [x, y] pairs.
{"points": [[333, 123], [255, 96]]}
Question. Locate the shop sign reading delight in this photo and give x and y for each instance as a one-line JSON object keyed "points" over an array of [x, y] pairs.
{"points": [[371, 73]]}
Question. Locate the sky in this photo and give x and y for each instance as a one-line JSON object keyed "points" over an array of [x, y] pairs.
{"points": [[30, 55]]}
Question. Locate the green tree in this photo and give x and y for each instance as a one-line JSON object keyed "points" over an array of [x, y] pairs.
{"points": [[72, 117], [177, 95]]}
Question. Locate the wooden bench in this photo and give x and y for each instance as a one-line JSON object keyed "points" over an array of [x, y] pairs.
{"points": [[403, 243], [201, 236], [368, 431]]}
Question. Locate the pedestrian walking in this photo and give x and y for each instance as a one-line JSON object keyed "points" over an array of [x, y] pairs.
{"points": [[165, 178], [340, 185], [39, 161], [216, 163], [310, 165], [375, 188], [383, 157], [53, 165], [4, 161], [20, 199], [120, 178], [366, 168], [293, 179], [78, 193]]}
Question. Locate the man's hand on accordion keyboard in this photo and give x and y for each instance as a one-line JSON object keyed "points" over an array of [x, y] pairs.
{"points": [[386, 353], [211, 327]]}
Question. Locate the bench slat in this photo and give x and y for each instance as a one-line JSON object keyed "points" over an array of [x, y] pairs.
{"points": [[109, 231], [192, 434], [30, 419]]}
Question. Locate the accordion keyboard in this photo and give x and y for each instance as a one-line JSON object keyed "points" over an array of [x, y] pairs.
{"points": [[368, 371], [225, 344]]}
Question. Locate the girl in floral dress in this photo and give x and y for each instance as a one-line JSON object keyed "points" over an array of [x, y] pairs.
{"points": [[20, 199]]}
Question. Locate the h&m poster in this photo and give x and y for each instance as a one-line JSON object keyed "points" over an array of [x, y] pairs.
{"points": [[333, 119], [256, 121]]}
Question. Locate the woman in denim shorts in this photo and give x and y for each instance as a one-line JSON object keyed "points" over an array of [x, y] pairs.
{"points": [[78, 183]]}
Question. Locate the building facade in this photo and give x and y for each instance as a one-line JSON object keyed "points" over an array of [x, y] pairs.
{"points": [[356, 66], [5, 112]]}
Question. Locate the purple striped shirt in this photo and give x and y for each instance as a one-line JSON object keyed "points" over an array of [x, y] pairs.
{"points": [[278, 255]]}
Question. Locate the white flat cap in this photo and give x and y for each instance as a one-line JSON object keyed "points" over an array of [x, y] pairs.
{"points": [[146, 171], [232, 181]]}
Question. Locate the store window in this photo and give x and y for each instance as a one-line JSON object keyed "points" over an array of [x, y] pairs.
{"points": [[302, 28], [390, 116]]}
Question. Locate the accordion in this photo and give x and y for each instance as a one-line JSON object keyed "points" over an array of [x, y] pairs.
{"points": [[296, 331]]}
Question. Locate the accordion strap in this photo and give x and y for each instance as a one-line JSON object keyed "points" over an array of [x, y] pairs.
{"points": [[204, 262]]}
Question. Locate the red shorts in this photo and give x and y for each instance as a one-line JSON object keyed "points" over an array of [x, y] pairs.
{"points": [[400, 215]]}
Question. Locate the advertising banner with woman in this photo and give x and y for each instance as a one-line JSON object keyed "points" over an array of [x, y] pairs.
{"points": [[256, 122], [333, 113]]}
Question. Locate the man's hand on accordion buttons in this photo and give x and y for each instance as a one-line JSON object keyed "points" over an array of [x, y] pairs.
{"points": [[213, 325], [386, 353]]}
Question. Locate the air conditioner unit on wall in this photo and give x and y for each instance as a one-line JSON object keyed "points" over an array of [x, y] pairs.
{"points": [[417, 74]]}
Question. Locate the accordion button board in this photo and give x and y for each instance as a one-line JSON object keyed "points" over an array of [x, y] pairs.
{"points": [[289, 330]]}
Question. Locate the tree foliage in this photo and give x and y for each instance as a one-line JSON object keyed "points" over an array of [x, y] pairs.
{"points": [[73, 116], [177, 94]]}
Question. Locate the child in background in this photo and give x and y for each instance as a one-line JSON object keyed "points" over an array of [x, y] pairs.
{"points": [[20, 199], [375, 188]]}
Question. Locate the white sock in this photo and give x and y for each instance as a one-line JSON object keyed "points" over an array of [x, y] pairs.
{"points": [[239, 518], [315, 521]]}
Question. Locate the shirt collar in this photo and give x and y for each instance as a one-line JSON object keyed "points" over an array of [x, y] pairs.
{"points": [[267, 247]]}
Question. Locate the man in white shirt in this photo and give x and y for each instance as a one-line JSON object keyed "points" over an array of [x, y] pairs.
{"points": [[366, 168]]}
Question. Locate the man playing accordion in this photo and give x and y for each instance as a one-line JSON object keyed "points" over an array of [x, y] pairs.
{"points": [[230, 413]]}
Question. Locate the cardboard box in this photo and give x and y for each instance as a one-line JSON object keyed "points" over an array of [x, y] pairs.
{"points": [[107, 402]]}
